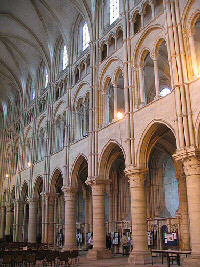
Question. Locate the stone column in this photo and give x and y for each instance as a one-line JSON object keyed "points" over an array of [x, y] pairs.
{"points": [[51, 204], [32, 221], [193, 52], [192, 171], [142, 100], [86, 218], [70, 218], [184, 239], [111, 227], [90, 215], [43, 218], [115, 100], [140, 253], [20, 220], [9, 218], [99, 231], [2, 222], [155, 61]]}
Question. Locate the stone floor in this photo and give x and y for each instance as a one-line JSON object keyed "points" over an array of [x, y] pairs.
{"points": [[117, 260]]}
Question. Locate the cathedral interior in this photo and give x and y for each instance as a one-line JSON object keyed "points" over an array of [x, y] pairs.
{"points": [[100, 124]]}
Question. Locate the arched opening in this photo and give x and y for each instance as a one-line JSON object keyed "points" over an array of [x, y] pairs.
{"points": [[148, 78], [87, 107], [120, 94], [117, 194], [56, 211], [83, 205], [158, 7], [137, 23], [147, 14], [23, 215], [104, 51], [58, 134], [38, 196], [80, 119], [41, 145], [82, 69], [119, 37], [163, 70], [161, 185], [76, 77], [109, 103], [111, 44], [197, 42]]}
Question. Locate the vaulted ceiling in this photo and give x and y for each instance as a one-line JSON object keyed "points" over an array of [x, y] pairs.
{"points": [[28, 33]]}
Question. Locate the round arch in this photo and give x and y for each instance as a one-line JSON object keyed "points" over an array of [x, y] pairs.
{"points": [[109, 153], [80, 160], [54, 180], [154, 133]]}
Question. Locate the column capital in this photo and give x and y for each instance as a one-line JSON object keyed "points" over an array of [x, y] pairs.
{"points": [[132, 171], [9, 206], [135, 176], [32, 200], [69, 193], [96, 180], [186, 153]]}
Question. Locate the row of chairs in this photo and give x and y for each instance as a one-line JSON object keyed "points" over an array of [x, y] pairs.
{"points": [[21, 245], [40, 257]]}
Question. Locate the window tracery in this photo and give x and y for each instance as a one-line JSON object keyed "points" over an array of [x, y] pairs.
{"points": [[65, 57], [86, 36], [114, 10]]}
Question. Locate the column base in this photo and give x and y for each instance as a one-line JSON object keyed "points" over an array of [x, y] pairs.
{"points": [[140, 258], [68, 247], [191, 260], [95, 254]]}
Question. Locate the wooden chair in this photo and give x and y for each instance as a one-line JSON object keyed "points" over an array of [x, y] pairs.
{"points": [[74, 257], [64, 258], [40, 256], [18, 259], [7, 260], [30, 259], [50, 258]]}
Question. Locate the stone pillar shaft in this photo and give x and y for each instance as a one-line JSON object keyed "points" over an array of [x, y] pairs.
{"points": [[140, 253], [99, 228], [184, 240], [156, 77], [192, 171], [138, 210], [70, 218], [32, 223], [141, 86], [2, 222], [98, 216], [9, 218]]}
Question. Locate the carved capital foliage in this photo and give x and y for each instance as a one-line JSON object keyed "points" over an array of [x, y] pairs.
{"points": [[69, 193], [98, 184], [135, 176], [9, 207], [186, 153], [192, 166], [32, 201], [190, 159]]}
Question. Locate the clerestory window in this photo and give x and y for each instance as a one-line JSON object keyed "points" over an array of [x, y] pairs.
{"points": [[46, 78], [86, 36], [65, 57], [114, 10]]}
